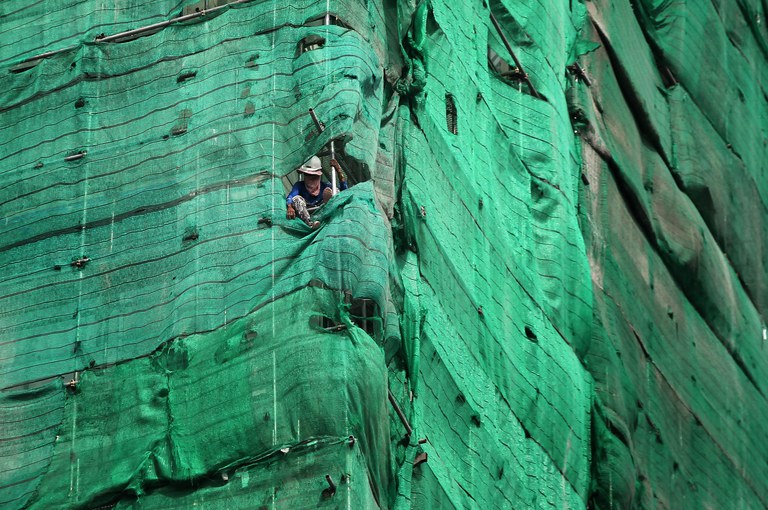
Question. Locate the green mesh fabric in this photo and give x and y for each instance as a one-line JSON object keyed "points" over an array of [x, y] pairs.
{"points": [[674, 221], [555, 271]]}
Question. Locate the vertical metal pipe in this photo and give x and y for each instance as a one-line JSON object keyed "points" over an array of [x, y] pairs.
{"points": [[333, 170], [334, 188]]}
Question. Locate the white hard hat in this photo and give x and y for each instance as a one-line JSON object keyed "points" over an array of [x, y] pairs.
{"points": [[312, 166]]}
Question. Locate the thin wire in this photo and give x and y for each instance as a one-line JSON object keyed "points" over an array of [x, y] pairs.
{"points": [[272, 231]]}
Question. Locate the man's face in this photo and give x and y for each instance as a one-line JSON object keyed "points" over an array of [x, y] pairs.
{"points": [[311, 180]]}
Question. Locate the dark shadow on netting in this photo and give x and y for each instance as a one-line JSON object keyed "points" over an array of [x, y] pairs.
{"points": [[502, 25]]}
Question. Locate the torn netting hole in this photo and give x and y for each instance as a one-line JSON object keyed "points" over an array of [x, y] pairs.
{"points": [[330, 19], [451, 116], [187, 75], [310, 43], [356, 171], [326, 324], [364, 313]]}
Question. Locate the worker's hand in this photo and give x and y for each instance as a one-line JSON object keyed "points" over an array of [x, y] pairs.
{"points": [[291, 213], [337, 167]]}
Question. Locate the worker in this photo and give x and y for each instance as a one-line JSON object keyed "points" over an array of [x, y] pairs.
{"points": [[312, 191]]}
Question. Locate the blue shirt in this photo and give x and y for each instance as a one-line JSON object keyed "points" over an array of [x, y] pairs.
{"points": [[300, 189]]}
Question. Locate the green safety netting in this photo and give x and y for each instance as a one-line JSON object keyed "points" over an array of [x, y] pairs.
{"points": [[552, 262]]}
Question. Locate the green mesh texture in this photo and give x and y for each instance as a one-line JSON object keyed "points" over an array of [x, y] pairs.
{"points": [[674, 215], [556, 271]]}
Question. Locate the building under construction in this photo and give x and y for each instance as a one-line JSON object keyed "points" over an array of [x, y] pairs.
{"points": [[544, 288]]}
